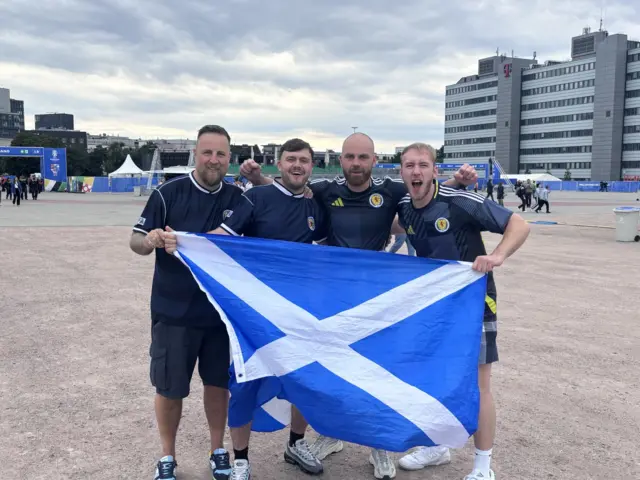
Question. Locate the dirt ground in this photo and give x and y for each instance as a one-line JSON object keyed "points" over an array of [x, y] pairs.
{"points": [[75, 398]]}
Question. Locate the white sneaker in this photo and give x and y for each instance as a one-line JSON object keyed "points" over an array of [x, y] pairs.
{"points": [[241, 470], [476, 475], [325, 446], [425, 457], [383, 467]]}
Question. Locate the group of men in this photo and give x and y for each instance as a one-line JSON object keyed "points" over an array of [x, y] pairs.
{"points": [[353, 211]]}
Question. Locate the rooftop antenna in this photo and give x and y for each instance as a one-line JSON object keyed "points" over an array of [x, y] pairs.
{"points": [[535, 54], [512, 54], [498, 52]]}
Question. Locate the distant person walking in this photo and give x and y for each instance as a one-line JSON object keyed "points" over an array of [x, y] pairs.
{"points": [[528, 193], [16, 191], [520, 192], [490, 190], [500, 194], [543, 198]]}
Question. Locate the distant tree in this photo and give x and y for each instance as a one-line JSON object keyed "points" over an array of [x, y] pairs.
{"points": [[396, 158], [527, 171], [440, 155], [567, 175]]}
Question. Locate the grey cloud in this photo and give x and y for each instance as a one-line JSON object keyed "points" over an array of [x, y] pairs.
{"points": [[355, 51]]}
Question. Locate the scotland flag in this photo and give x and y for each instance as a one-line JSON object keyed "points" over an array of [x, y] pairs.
{"points": [[375, 349]]}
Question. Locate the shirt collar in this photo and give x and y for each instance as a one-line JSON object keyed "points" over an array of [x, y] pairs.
{"points": [[285, 190], [201, 188]]}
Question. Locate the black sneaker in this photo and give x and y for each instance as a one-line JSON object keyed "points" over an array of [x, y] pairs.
{"points": [[166, 469], [220, 464]]}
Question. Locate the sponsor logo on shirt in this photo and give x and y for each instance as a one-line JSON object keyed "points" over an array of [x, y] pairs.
{"points": [[141, 220], [442, 224], [338, 203], [376, 200]]}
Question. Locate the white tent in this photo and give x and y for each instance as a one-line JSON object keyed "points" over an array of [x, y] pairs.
{"points": [[128, 168], [534, 177]]}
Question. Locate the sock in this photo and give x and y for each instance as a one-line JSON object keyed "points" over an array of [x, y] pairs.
{"points": [[241, 454], [482, 461], [294, 437]]}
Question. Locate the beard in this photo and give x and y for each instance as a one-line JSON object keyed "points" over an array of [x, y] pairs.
{"points": [[357, 178], [210, 176]]}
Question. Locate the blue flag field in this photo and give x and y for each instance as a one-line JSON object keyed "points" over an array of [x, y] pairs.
{"points": [[375, 349]]}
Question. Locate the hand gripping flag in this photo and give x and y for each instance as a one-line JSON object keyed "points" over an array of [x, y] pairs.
{"points": [[376, 349]]}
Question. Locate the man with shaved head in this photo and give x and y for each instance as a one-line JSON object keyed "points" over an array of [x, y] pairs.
{"points": [[361, 212]]}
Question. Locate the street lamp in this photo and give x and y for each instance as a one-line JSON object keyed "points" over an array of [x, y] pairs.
{"points": [[354, 129]]}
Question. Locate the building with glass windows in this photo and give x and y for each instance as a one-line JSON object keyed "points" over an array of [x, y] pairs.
{"points": [[581, 115]]}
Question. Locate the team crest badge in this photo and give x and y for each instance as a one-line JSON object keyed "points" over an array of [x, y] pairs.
{"points": [[442, 224], [312, 223], [376, 200], [226, 214]]}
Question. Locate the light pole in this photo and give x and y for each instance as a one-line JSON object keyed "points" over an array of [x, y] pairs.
{"points": [[354, 129]]}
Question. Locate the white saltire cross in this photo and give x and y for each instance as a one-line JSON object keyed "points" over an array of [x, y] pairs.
{"points": [[309, 339]]}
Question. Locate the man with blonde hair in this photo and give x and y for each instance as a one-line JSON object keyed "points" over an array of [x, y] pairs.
{"points": [[447, 223]]}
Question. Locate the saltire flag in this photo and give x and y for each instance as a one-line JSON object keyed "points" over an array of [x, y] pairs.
{"points": [[375, 349]]}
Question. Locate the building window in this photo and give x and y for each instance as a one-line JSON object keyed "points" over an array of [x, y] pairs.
{"points": [[555, 150]]}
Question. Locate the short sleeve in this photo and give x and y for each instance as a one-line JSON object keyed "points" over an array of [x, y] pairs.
{"points": [[398, 190], [488, 215], [319, 188], [240, 217], [154, 214]]}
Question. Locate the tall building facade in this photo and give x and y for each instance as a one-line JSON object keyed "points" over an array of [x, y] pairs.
{"points": [[11, 115], [581, 115], [54, 121]]}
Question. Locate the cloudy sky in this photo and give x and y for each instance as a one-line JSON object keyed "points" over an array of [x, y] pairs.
{"points": [[270, 70]]}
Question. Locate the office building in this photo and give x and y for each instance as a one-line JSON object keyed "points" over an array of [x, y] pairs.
{"points": [[580, 115], [70, 138], [54, 121], [11, 115]]}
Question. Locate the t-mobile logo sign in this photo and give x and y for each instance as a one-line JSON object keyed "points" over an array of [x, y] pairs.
{"points": [[507, 70]]}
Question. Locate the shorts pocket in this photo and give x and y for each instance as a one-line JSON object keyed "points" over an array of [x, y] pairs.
{"points": [[158, 370]]}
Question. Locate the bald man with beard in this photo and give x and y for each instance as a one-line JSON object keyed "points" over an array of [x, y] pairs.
{"points": [[361, 211]]}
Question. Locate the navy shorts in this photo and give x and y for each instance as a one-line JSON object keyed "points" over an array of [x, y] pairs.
{"points": [[489, 345], [174, 351]]}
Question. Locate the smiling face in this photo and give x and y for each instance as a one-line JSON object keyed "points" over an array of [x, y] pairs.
{"points": [[295, 164], [212, 156], [418, 170]]}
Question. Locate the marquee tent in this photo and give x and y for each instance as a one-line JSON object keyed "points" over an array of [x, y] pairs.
{"points": [[128, 168]]}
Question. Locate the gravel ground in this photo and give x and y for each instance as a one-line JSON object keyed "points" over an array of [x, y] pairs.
{"points": [[75, 399]]}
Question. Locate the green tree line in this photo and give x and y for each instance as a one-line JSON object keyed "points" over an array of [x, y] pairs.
{"points": [[99, 162]]}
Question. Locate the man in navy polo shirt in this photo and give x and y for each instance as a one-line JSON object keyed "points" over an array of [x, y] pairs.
{"points": [[278, 211], [185, 326]]}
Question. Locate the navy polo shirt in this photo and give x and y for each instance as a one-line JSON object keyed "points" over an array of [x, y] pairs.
{"points": [[359, 219], [183, 205], [450, 226], [272, 211]]}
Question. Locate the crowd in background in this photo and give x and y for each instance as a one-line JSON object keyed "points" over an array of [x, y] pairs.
{"points": [[19, 188]]}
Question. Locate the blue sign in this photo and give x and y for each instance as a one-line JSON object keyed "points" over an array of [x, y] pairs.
{"points": [[21, 151], [53, 161], [456, 166], [55, 164]]}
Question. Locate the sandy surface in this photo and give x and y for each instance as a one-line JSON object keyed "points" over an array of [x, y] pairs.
{"points": [[75, 399]]}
